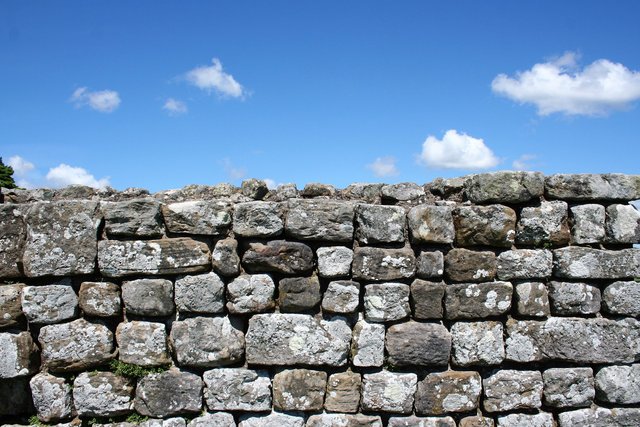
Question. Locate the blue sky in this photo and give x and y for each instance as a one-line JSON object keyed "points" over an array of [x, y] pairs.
{"points": [[160, 94]]}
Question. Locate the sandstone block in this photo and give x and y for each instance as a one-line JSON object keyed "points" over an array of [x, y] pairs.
{"points": [[426, 299], [237, 389], [16, 359], [622, 298], [568, 387], [148, 297], [342, 297], [169, 393], [477, 343], [388, 392], [49, 303], [622, 224], [582, 187], [430, 265], [10, 305], [544, 224], [278, 256], [202, 293], [345, 420], [212, 218], [463, 265], [102, 394], [13, 231], [250, 293], [298, 294], [386, 302], [532, 299], [343, 392], [509, 389], [133, 218], [597, 417], [492, 225], [570, 298], [380, 224], [541, 419], [320, 219], [299, 390], [51, 397], [450, 391], [217, 419], [99, 299], [334, 261], [258, 219], [431, 224], [576, 262], [371, 263], [618, 384], [477, 300], [588, 223], [367, 344], [525, 264], [142, 343], [224, 257], [504, 187], [274, 419], [403, 193], [418, 344]]}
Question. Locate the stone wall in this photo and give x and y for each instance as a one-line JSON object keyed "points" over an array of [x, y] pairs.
{"points": [[508, 299]]}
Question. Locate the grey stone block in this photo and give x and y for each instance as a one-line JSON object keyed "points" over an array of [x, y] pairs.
{"points": [[100, 299], [388, 392], [544, 224], [217, 419], [250, 293], [403, 193], [202, 293], [570, 298], [568, 387], [211, 218], [102, 394], [274, 419], [142, 343], [477, 300], [430, 265], [258, 219], [237, 389], [450, 391], [133, 218], [463, 265], [504, 187], [477, 343], [576, 262], [10, 304], [148, 297], [13, 231], [299, 390], [622, 298], [298, 294], [16, 355], [380, 224], [418, 344], [169, 393], [334, 261], [224, 257], [367, 344], [49, 303], [508, 389], [386, 302], [600, 417], [431, 224], [341, 297], [318, 219], [379, 264], [426, 299], [587, 187], [618, 384], [541, 419], [622, 224], [51, 397], [343, 392], [525, 264], [347, 420], [278, 256], [532, 299], [588, 223], [492, 225]]}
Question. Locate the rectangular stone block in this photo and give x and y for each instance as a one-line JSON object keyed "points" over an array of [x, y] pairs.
{"points": [[568, 387], [504, 187], [525, 264], [371, 263], [13, 231], [320, 219], [588, 223], [389, 392], [590, 417], [509, 389], [477, 300], [49, 303], [431, 224], [343, 392], [299, 390], [16, 355], [417, 344], [463, 265], [380, 224], [237, 389], [492, 225], [582, 187], [426, 299], [203, 217], [575, 262], [10, 305], [450, 391], [133, 218]]}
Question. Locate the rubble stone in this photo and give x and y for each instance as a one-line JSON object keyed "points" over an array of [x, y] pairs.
{"points": [[254, 188], [345, 420], [386, 302], [504, 187], [10, 305], [426, 299], [570, 298], [318, 219], [450, 391], [49, 303], [100, 299], [622, 224], [618, 384], [492, 225], [299, 390], [341, 297], [16, 355], [224, 257], [587, 187], [541, 419], [596, 417], [257, 219], [13, 231], [365, 192], [532, 299], [509, 389], [588, 223], [418, 344], [477, 343], [237, 389], [274, 419], [568, 387], [343, 392], [389, 392], [298, 294], [250, 293], [371, 263], [133, 218], [217, 419], [142, 343], [211, 218], [102, 394], [477, 300], [148, 297], [544, 224], [525, 264], [622, 298], [380, 224], [463, 265], [476, 421], [334, 261], [404, 192], [367, 344], [431, 224], [575, 262], [414, 421], [202, 293], [278, 256], [51, 397], [430, 265], [169, 393]]}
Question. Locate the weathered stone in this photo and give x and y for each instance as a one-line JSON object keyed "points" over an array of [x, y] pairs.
{"points": [[274, 419], [290, 339], [385, 302], [389, 392], [477, 343], [448, 188], [568, 387], [380, 224], [258, 219], [414, 421], [600, 417], [133, 218], [504, 187], [575, 262], [450, 391], [371, 263], [148, 297], [525, 264], [476, 421], [618, 384], [342, 297], [16, 359], [622, 224], [218, 419], [403, 192], [224, 257], [593, 186], [431, 224], [344, 420], [418, 344], [99, 299], [622, 298], [492, 225], [102, 394], [10, 304], [430, 265], [211, 218], [51, 397], [142, 343], [169, 422], [254, 188], [509, 389], [75, 346], [367, 345], [206, 342], [334, 261], [203, 293], [343, 392], [541, 419], [278, 256], [588, 223], [368, 193], [49, 303], [61, 238], [299, 390], [16, 397], [568, 298], [477, 300], [463, 265], [318, 219], [318, 189], [426, 299], [250, 293], [532, 299], [544, 224], [12, 239], [237, 389], [573, 340], [298, 294], [152, 257], [168, 393]]}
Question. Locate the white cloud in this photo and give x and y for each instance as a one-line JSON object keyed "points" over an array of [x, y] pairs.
{"points": [[271, 184], [105, 101], [232, 171], [457, 151], [21, 167], [383, 166], [174, 107], [560, 86], [63, 175], [523, 162], [213, 77]]}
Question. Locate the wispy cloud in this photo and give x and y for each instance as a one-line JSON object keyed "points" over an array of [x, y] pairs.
{"points": [[213, 77], [383, 166], [59, 176], [560, 86], [233, 172], [174, 107], [523, 162], [21, 167], [105, 101], [457, 151]]}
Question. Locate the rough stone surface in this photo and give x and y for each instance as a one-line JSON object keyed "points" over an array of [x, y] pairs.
{"points": [[431, 224], [389, 392], [341, 297], [380, 224], [250, 293], [430, 265], [371, 263], [205, 342], [278, 256], [576, 262], [509, 389], [588, 223], [254, 188], [504, 187], [600, 417], [365, 192], [525, 264], [477, 300], [463, 265], [75, 346], [274, 419], [450, 391], [544, 224], [542, 419], [61, 238], [99, 299], [258, 219], [148, 297], [570, 298], [367, 344], [414, 421], [224, 257], [622, 298], [237, 389], [622, 224], [142, 343], [418, 344], [152, 257], [492, 225], [202, 293], [593, 187], [133, 218], [334, 261], [344, 420], [289, 339], [476, 421], [426, 299], [299, 390], [49, 303], [318, 219], [618, 384], [102, 394], [51, 397], [318, 189], [404, 192], [10, 305], [568, 387], [16, 355], [386, 302], [169, 393], [532, 299], [343, 392], [477, 343], [217, 419], [212, 218], [12, 239], [298, 294]]}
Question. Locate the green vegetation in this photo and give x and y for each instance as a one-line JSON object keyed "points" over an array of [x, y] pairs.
{"points": [[136, 418], [33, 420], [6, 176], [133, 371]]}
